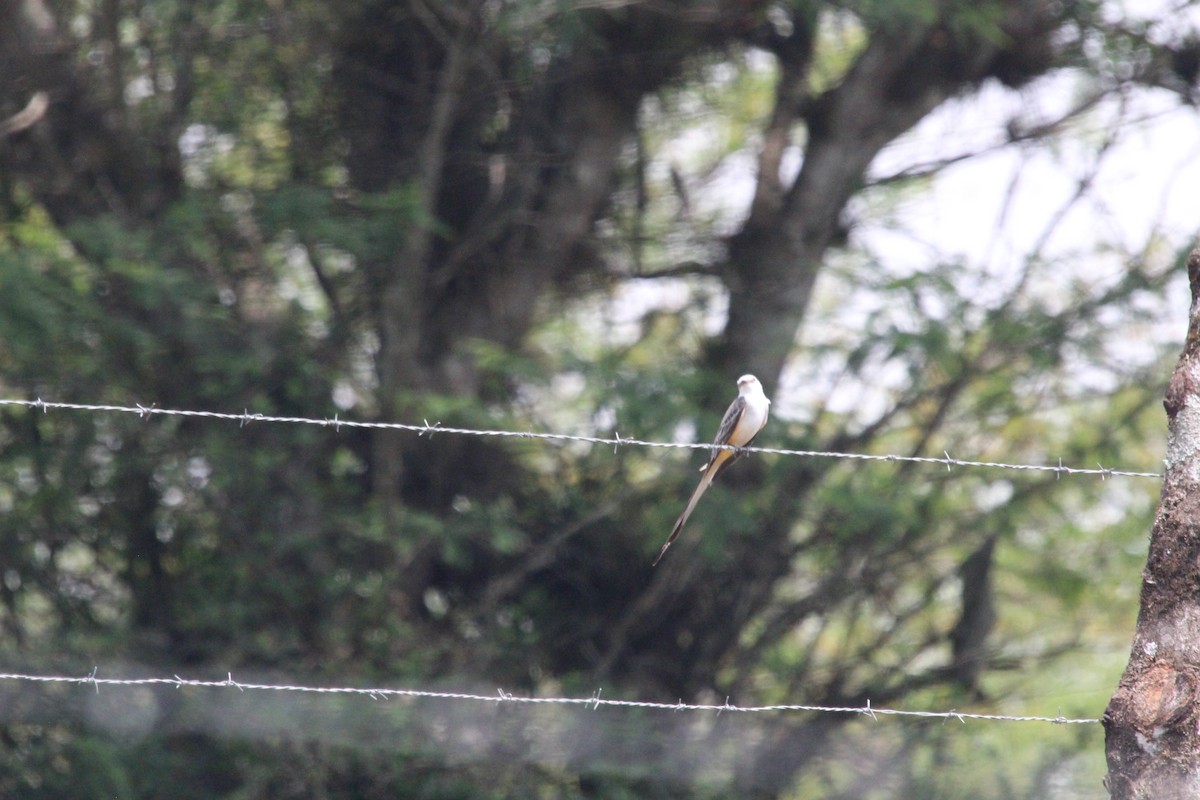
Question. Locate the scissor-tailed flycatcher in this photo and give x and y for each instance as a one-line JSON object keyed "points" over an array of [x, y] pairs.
{"points": [[747, 415]]}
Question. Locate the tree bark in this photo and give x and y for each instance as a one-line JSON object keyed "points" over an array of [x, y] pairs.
{"points": [[1152, 739]]}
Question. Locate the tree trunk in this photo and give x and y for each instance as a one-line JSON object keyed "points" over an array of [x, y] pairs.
{"points": [[1152, 736], [898, 79]]}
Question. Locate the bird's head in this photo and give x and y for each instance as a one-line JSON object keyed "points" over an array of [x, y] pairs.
{"points": [[748, 383]]}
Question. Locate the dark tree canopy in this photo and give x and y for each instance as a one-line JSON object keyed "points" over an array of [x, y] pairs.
{"points": [[412, 211]]}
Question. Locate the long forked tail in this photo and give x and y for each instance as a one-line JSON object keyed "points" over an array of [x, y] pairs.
{"points": [[705, 482]]}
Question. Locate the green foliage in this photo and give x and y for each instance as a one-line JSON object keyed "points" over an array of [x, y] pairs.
{"points": [[198, 546]]}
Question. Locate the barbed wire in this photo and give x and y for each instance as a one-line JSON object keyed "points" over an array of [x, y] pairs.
{"points": [[617, 441], [594, 702]]}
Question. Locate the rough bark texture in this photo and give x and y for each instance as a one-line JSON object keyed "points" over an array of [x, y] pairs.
{"points": [[1153, 738]]}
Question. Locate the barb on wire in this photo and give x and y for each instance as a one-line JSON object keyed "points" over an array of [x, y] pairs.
{"points": [[427, 428], [593, 702]]}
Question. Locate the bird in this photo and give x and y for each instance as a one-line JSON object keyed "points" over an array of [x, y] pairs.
{"points": [[747, 415]]}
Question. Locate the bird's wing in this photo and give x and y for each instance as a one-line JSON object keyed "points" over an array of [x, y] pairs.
{"points": [[729, 423], [718, 460], [723, 457]]}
